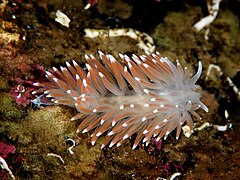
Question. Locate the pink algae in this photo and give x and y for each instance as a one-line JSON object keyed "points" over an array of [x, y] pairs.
{"points": [[6, 149]]}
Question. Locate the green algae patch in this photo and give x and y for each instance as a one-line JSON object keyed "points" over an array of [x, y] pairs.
{"points": [[8, 109], [225, 35], [4, 87], [47, 125], [45, 132], [170, 34]]}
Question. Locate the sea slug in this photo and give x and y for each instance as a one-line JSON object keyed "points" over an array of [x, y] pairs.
{"points": [[147, 95]]}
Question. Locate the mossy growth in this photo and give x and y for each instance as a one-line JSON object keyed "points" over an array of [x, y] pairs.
{"points": [[48, 125], [4, 87], [8, 108]]}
